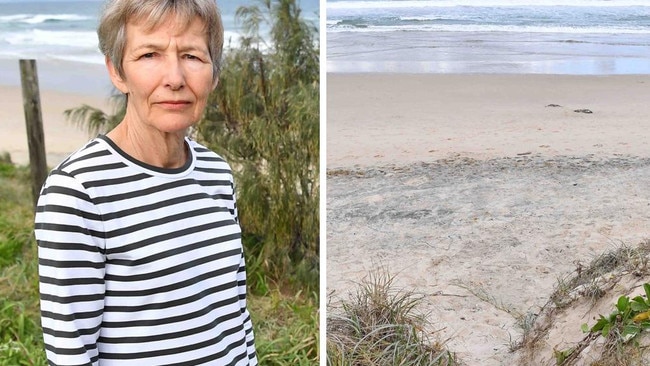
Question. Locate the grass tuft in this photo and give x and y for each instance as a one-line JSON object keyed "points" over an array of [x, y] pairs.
{"points": [[380, 325], [594, 280]]}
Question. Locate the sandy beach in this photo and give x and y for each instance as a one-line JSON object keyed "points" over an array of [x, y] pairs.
{"points": [[497, 183], [62, 86]]}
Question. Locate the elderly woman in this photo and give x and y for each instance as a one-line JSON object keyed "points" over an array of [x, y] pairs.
{"points": [[140, 254]]}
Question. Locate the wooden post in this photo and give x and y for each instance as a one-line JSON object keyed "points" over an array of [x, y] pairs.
{"points": [[34, 124]]}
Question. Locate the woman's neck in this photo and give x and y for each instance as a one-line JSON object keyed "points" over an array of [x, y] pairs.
{"points": [[153, 147]]}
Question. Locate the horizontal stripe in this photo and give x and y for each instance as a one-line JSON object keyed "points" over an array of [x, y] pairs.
{"points": [[71, 281], [174, 269], [68, 228], [162, 188], [213, 170], [172, 287], [175, 234], [115, 181], [70, 351], [70, 264], [71, 299], [210, 158], [83, 157], [216, 356], [171, 319], [173, 252], [63, 191], [162, 204], [143, 192], [69, 246], [176, 334], [71, 317], [168, 304], [161, 221], [181, 349], [71, 334], [97, 168], [69, 210]]}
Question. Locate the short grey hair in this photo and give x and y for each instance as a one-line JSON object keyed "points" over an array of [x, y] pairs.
{"points": [[117, 13]]}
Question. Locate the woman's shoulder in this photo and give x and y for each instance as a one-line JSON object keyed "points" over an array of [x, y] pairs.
{"points": [[205, 155], [94, 153]]}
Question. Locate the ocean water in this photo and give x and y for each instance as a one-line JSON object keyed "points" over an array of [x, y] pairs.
{"points": [[66, 30], [489, 36], [61, 36]]}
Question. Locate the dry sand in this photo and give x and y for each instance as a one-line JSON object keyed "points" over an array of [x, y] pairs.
{"points": [[455, 181], [63, 85], [61, 136]]}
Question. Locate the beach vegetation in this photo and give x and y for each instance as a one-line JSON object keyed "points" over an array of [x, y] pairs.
{"points": [[380, 324], [616, 338], [629, 318], [264, 120], [94, 120]]}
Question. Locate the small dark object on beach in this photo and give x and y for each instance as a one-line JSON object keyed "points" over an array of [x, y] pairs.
{"points": [[588, 111], [553, 105]]}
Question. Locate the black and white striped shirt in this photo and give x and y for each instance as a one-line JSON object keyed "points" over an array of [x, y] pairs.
{"points": [[141, 265]]}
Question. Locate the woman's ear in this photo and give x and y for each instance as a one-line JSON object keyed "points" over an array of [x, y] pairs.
{"points": [[215, 83], [116, 79]]}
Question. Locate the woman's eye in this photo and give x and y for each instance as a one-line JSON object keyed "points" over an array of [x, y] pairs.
{"points": [[191, 57], [147, 55]]}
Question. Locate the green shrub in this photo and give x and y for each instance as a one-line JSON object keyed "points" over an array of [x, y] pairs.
{"points": [[264, 119]]}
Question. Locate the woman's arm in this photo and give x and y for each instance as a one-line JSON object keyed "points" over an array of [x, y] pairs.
{"points": [[241, 283], [69, 233], [248, 325]]}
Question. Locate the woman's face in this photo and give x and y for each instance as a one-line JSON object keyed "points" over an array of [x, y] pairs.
{"points": [[167, 74]]}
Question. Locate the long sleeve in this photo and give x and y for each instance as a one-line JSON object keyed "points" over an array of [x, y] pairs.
{"points": [[69, 233], [241, 283], [248, 324]]}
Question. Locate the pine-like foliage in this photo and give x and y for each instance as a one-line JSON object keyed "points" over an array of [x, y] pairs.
{"points": [[264, 119], [94, 120]]}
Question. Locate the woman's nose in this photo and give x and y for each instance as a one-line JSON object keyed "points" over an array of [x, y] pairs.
{"points": [[174, 76]]}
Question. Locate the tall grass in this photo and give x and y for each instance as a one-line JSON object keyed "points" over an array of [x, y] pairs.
{"points": [[290, 335], [380, 325], [20, 336]]}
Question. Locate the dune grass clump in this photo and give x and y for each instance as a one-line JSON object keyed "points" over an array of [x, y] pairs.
{"points": [[595, 279], [380, 325], [617, 338]]}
